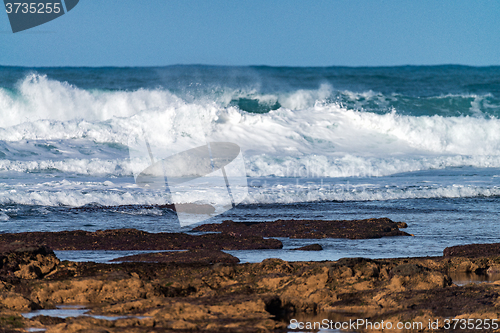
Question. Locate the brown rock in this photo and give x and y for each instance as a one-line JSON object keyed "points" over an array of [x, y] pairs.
{"points": [[26, 261], [408, 269], [251, 297], [402, 225], [28, 272], [192, 256], [310, 247], [355, 229], [16, 301], [133, 239], [494, 269], [473, 250]]}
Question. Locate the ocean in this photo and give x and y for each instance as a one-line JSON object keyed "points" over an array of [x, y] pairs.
{"points": [[418, 144]]}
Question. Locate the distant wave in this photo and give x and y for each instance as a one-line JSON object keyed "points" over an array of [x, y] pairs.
{"points": [[78, 194], [51, 125], [37, 97]]}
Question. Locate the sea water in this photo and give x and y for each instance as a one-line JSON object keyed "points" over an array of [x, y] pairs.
{"points": [[414, 144]]}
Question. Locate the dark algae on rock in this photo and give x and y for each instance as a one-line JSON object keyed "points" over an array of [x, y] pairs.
{"points": [[310, 247], [473, 250], [190, 256], [351, 229], [133, 239]]}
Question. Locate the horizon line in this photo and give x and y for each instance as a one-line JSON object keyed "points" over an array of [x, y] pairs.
{"points": [[248, 66]]}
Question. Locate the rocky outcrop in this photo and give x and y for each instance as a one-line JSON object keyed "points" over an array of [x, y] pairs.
{"points": [[310, 247], [354, 229], [26, 261], [473, 250], [182, 257], [133, 239]]}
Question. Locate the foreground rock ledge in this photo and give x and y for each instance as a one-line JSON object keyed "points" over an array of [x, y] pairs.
{"points": [[351, 229], [260, 297]]}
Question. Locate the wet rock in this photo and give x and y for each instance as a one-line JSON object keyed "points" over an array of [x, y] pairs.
{"points": [[133, 239], [408, 270], [47, 320], [494, 269], [311, 247], [402, 225], [205, 257], [8, 330], [451, 302], [355, 229], [351, 262], [9, 323], [258, 297], [15, 301], [29, 272], [26, 261], [275, 265], [473, 250]]}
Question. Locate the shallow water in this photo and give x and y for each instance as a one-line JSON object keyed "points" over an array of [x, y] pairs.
{"points": [[462, 278], [99, 256], [67, 311]]}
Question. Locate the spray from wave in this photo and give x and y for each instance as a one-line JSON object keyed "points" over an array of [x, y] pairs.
{"points": [[52, 128], [307, 130]]}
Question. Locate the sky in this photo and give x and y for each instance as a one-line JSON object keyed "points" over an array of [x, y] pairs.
{"points": [[261, 32]]}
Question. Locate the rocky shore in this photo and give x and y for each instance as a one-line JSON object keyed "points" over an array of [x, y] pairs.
{"points": [[207, 290]]}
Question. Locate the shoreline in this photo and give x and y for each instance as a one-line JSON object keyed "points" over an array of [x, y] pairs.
{"points": [[207, 290]]}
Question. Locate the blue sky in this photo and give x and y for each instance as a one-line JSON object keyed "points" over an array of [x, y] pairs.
{"points": [[255, 32]]}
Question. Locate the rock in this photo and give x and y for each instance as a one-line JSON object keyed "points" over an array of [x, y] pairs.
{"points": [[8, 323], [47, 320], [494, 269], [473, 250], [183, 325], [250, 297], [29, 272], [311, 247], [463, 266], [355, 229], [408, 269], [133, 239], [205, 257], [351, 262], [26, 261], [16, 301]]}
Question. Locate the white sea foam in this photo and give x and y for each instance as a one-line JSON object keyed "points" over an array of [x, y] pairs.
{"points": [[79, 197], [264, 165], [347, 192], [51, 125], [94, 167], [41, 98], [84, 194], [328, 140]]}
